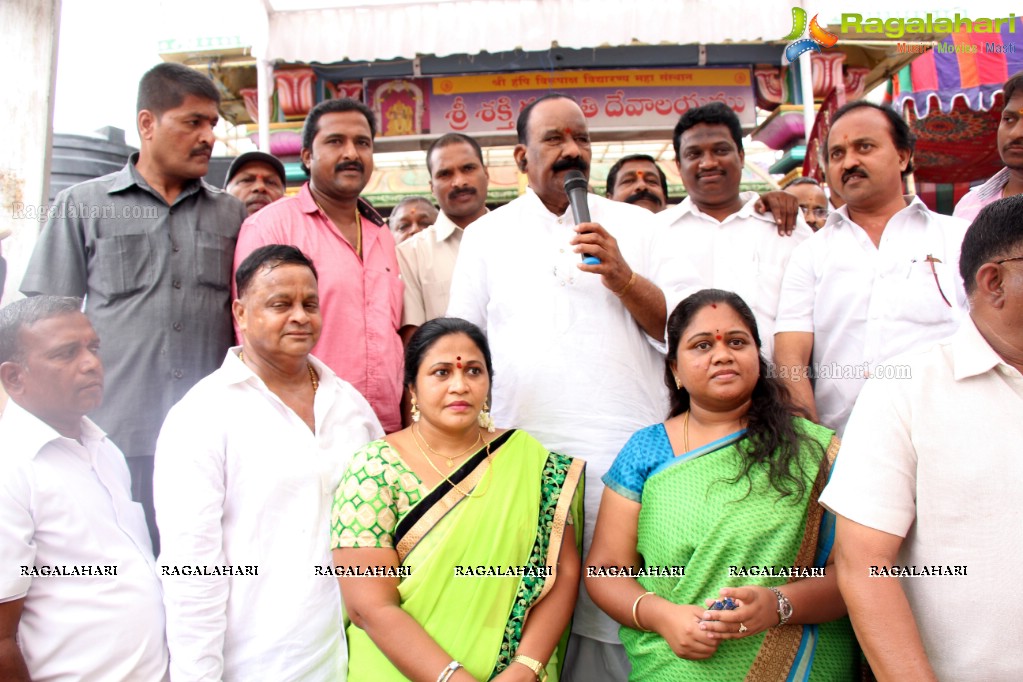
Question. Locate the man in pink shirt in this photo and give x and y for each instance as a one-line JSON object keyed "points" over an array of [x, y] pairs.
{"points": [[360, 293], [1008, 181]]}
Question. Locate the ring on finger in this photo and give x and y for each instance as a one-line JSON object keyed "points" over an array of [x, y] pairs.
{"points": [[742, 628]]}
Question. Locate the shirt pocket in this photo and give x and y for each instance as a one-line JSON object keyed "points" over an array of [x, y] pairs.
{"points": [[385, 291], [123, 265], [924, 291], [214, 258]]}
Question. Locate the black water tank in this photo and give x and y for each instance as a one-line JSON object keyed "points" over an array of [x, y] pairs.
{"points": [[77, 158]]}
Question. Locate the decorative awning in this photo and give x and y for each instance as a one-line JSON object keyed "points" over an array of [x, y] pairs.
{"points": [[967, 67], [385, 29]]}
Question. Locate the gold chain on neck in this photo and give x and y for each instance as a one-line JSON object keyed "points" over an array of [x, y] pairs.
{"points": [[446, 479], [313, 379]]}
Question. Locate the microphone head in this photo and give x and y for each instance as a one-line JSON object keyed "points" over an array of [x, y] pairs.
{"points": [[574, 179]]}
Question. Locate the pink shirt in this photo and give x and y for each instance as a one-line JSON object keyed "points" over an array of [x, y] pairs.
{"points": [[360, 299]]}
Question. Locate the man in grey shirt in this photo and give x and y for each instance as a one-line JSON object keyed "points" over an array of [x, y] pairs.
{"points": [[150, 247]]}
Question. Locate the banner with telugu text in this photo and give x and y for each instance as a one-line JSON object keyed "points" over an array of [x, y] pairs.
{"points": [[490, 103]]}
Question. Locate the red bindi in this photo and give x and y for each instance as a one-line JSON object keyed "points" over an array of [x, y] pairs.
{"points": [[714, 306], [718, 337], [458, 361]]}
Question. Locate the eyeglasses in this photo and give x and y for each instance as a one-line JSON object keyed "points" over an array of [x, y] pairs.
{"points": [[1006, 260], [819, 213]]}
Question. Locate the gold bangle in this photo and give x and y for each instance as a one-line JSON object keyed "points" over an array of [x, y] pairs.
{"points": [[632, 281], [635, 614]]}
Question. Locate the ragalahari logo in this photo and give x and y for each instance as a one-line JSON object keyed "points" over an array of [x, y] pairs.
{"points": [[818, 36]]}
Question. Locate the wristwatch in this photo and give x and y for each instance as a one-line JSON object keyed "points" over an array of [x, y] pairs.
{"points": [[784, 606], [536, 666]]}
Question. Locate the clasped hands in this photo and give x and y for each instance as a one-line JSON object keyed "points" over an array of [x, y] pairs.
{"points": [[693, 632]]}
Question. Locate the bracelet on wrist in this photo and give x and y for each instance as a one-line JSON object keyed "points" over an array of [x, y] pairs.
{"points": [[448, 671], [635, 612], [632, 282]]}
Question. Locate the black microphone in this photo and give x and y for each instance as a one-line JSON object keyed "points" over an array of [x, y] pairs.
{"points": [[576, 187]]}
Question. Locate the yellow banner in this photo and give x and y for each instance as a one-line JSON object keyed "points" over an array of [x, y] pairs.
{"points": [[568, 80]]}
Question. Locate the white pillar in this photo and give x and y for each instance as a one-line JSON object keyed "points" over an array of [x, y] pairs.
{"points": [[263, 90], [806, 83], [29, 54]]}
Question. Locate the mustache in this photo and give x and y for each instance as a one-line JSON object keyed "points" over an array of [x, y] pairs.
{"points": [[202, 150], [466, 191], [569, 163], [855, 170], [349, 165], [639, 195]]}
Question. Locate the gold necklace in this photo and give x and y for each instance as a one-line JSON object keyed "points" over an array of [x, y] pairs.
{"points": [[446, 479], [358, 225], [313, 379], [451, 460], [358, 231]]}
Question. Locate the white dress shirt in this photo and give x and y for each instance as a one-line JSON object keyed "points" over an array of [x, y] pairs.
{"points": [[743, 253], [427, 261], [866, 303], [66, 505], [241, 480], [571, 365], [935, 459]]}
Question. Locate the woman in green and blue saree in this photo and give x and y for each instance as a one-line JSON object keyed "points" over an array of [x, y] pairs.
{"points": [[712, 517], [455, 543]]}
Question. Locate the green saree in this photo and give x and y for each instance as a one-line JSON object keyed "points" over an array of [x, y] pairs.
{"points": [[526, 495], [692, 515]]}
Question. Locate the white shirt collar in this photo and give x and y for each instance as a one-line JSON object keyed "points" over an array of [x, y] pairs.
{"points": [[841, 215], [234, 371], [443, 227], [33, 434], [972, 355], [748, 210]]}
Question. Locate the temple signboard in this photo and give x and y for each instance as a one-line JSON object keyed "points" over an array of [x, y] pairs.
{"points": [[490, 103]]}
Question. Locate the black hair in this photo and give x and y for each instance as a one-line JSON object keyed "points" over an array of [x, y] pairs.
{"points": [[522, 123], [269, 256], [165, 86], [612, 175], [996, 233], [1012, 86], [772, 439], [902, 136], [433, 331], [450, 139], [714, 113], [333, 106], [800, 181], [19, 314]]}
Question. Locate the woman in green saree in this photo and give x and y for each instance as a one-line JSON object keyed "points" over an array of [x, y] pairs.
{"points": [[726, 487], [454, 542]]}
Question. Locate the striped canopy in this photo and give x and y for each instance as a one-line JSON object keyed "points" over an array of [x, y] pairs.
{"points": [[941, 76]]}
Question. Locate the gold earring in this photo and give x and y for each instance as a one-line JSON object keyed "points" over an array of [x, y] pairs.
{"points": [[484, 419], [678, 383], [415, 410]]}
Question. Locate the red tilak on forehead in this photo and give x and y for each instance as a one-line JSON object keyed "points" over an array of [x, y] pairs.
{"points": [[718, 337], [458, 361], [714, 306], [568, 131]]}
